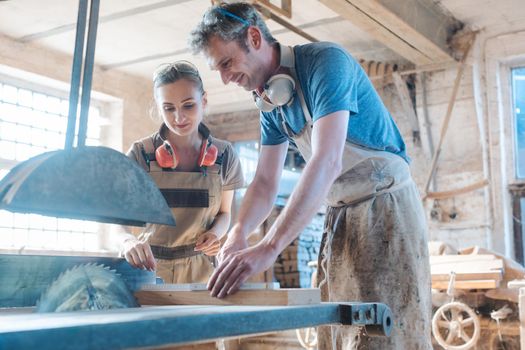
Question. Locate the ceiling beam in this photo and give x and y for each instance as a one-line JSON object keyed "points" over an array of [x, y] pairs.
{"points": [[103, 19], [416, 29], [184, 51]]}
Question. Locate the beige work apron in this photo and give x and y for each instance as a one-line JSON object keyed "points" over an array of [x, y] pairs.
{"points": [[192, 219], [374, 246]]}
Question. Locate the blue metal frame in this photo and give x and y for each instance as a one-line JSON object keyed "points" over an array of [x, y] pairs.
{"points": [[88, 72], [166, 325], [87, 78], [76, 72]]}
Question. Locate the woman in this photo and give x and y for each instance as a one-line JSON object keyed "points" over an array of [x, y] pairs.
{"points": [[196, 173]]}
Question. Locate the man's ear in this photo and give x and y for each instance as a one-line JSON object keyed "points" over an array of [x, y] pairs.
{"points": [[254, 37]]}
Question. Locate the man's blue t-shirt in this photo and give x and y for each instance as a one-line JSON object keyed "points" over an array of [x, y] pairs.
{"points": [[333, 81]]}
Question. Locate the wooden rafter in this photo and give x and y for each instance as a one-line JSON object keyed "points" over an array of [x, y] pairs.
{"points": [[388, 28]]}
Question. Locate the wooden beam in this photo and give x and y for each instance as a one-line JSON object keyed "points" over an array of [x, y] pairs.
{"points": [[487, 275], [477, 284], [467, 258], [453, 193], [269, 13], [292, 296], [408, 106], [285, 9], [448, 115], [389, 29]]}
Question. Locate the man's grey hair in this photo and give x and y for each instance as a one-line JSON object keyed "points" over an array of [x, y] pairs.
{"points": [[229, 22]]}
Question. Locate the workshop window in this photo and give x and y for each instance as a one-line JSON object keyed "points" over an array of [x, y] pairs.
{"points": [[517, 189], [31, 123], [248, 152], [518, 88]]}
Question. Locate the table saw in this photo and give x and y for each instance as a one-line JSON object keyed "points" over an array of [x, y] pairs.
{"points": [[24, 277]]}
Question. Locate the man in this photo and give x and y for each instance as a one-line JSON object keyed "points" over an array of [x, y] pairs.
{"points": [[317, 97]]}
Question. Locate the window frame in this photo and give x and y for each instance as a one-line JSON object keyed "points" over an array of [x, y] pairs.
{"points": [[55, 91]]}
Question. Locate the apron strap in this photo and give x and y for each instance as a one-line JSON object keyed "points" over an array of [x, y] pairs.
{"points": [[171, 253], [288, 60]]}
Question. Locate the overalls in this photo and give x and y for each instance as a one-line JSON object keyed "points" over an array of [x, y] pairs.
{"points": [[374, 246], [194, 199]]}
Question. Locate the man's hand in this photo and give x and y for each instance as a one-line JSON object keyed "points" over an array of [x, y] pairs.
{"points": [[139, 254], [237, 267], [235, 242], [208, 243]]}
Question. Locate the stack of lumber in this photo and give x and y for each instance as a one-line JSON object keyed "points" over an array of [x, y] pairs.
{"points": [[291, 267], [472, 271]]}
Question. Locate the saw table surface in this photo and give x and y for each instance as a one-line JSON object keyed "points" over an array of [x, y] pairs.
{"points": [[165, 325]]}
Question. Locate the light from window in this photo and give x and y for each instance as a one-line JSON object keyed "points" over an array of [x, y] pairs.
{"points": [[32, 123], [518, 84]]}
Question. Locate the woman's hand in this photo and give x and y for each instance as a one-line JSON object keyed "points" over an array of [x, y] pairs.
{"points": [[139, 254], [208, 243]]}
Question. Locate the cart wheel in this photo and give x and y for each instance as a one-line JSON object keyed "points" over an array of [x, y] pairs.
{"points": [[456, 326], [307, 337]]}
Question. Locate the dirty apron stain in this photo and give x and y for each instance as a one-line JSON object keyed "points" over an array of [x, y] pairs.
{"points": [[374, 246], [195, 201]]}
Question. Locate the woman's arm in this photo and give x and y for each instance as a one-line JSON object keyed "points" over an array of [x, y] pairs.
{"points": [[137, 253], [209, 241]]}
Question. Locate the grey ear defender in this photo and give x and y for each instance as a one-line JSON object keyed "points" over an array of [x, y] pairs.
{"points": [[261, 103], [278, 91]]}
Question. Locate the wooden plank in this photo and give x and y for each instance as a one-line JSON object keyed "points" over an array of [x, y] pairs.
{"points": [[468, 266], [521, 307], [379, 31], [479, 284], [292, 296], [203, 286], [516, 284], [488, 275], [446, 259]]}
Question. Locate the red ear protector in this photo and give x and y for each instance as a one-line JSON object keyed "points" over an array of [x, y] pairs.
{"points": [[166, 155]]}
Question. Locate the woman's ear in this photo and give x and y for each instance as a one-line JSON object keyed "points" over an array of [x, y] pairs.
{"points": [[154, 112], [204, 99]]}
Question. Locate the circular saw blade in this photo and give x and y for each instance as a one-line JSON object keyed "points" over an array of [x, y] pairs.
{"points": [[86, 287]]}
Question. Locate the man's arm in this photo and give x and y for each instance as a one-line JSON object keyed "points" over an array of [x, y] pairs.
{"points": [[259, 198], [328, 140]]}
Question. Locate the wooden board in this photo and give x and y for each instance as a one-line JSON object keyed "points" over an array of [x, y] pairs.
{"points": [[388, 28], [466, 267], [478, 284], [469, 266], [445, 259], [477, 275], [203, 286], [292, 296]]}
